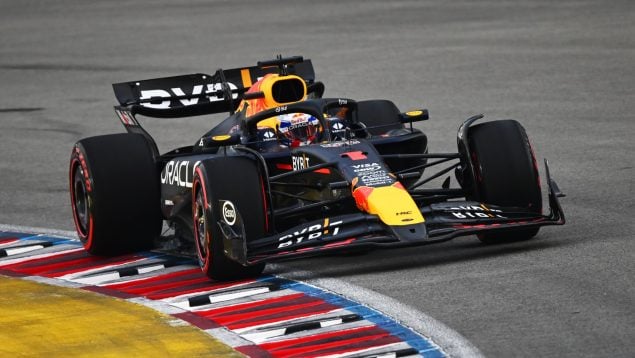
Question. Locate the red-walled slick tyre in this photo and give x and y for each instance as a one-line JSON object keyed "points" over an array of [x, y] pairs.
{"points": [[114, 189], [227, 192]]}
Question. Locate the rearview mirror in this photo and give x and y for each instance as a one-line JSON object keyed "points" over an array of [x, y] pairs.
{"points": [[220, 140], [414, 116]]}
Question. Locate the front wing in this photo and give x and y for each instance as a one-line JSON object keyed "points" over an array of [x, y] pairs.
{"points": [[443, 221]]}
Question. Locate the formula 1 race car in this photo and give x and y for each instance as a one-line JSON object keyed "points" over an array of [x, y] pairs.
{"points": [[291, 174]]}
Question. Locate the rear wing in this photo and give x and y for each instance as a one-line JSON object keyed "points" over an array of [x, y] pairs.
{"points": [[197, 94]]}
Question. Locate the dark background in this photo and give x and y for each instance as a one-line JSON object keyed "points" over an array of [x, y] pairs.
{"points": [[565, 69]]}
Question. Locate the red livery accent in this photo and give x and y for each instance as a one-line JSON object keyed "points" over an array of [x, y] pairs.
{"points": [[284, 166], [322, 171], [341, 243], [358, 155], [361, 195], [491, 226], [264, 201]]}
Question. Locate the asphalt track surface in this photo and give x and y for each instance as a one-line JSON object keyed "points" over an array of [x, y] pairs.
{"points": [[564, 69]]}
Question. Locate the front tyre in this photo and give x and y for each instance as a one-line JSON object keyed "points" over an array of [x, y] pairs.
{"points": [[506, 173], [114, 191], [220, 185]]}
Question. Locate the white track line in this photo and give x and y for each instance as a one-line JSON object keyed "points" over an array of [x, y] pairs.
{"points": [[452, 343]]}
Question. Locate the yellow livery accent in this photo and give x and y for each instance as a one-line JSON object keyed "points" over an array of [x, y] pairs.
{"points": [[267, 87], [246, 77], [392, 204], [221, 138], [277, 91], [269, 122]]}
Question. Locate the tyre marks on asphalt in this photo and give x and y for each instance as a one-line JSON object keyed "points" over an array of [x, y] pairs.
{"points": [[268, 316]]}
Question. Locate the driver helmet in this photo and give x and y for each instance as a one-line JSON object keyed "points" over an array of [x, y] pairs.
{"points": [[298, 129]]}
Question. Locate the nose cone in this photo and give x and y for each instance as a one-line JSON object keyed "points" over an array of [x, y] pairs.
{"points": [[392, 204]]}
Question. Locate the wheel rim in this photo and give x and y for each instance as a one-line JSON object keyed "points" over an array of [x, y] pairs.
{"points": [[202, 241], [80, 199]]}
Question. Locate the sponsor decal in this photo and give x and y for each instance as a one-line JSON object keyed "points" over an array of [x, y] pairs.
{"points": [[298, 118], [179, 173], [163, 97], [269, 135], [339, 144], [300, 162], [126, 118], [295, 124], [298, 124], [291, 121], [308, 233], [366, 167], [229, 212], [338, 129], [338, 126], [372, 174], [475, 212]]}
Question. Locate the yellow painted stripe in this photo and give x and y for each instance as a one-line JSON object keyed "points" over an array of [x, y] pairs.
{"points": [[246, 77], [394, 206], [48, 321]]}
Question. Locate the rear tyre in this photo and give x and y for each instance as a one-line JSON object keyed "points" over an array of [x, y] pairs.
{"points": [[235, 180], [114, 191], [506, 173]]}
